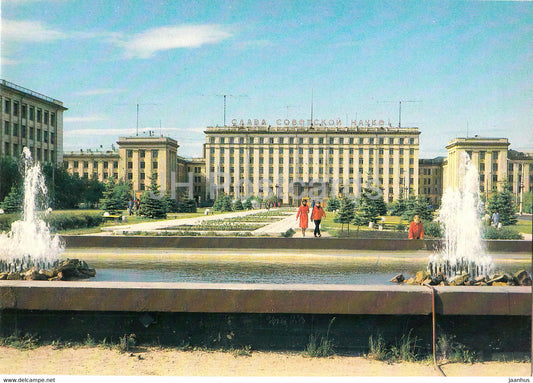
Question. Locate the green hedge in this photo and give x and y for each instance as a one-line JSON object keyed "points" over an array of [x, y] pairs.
{"points": [[490, 232], [65, 221], [6, 220]]}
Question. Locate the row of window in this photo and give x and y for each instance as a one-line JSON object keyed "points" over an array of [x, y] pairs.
{"points": [[300, 160], [482, 155], [142, 165], [142, 153], [311, 169], [25, 111], [221, 181], [36, 153], [106, 175], [30, 133], [76, 164], [312, 140], [331, 151]]}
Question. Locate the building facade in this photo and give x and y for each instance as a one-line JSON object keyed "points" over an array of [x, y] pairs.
{"points": [[99, 165], [33, 120], [314, 161], [142, 159], [489, 155], [430, 180], [196, 167]]}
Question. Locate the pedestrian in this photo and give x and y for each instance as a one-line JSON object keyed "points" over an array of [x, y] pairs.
{"points": [[416, 228], [130, 207], [303, 215], [495, 219], [313, 204], [317, 215]]}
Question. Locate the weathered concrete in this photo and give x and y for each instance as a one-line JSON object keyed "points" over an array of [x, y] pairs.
{"points": [[263, 298], [277, 243]]}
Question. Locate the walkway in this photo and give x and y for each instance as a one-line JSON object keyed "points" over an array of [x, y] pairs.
{"points": [[274, 229]]}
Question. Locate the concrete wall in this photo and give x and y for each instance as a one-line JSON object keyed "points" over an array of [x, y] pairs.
{"points": [[277, 243]]}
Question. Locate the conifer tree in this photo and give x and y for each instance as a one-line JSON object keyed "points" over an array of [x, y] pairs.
{"points": [[248, 204], [503, 203], [111, 202], [346, 213], [366, 211], [13, 201], [237, 205], [153, 205]]}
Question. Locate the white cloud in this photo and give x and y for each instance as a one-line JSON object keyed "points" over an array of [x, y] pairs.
{"points": [[74, 120], [32, 31], [146, 44], [98, 92], [7, 61]]}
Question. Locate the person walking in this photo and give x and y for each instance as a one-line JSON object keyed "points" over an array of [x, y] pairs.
{"points": [[495, 219], [316, 215], [416, 228], [303, 215]]}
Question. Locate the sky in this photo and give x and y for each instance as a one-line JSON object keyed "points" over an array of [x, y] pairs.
{"points": [[460, 68]]}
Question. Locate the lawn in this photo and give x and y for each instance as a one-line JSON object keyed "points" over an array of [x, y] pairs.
{"points": [[334, 228], [523, 225]]}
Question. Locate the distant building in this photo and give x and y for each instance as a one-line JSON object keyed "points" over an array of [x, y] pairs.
{"points": [[292, 162], [430, 181], [93, 164], [145, 158], [30, 119], [489, 155], [196, 166]]}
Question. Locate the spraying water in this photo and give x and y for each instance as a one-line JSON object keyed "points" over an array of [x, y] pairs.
{"points": [[459, 214], [30, 243]]}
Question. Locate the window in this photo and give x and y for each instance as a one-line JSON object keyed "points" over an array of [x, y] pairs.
{"points": [[15, 129], [130, 165], [142, 164], [46, 117], [115, 164], [106, 164], [39, 115], [154, 153], [7, 106], [143, 175], [154, 165], [7, 129], [32, 133], [32, 113], [141, 153], [52, 119], [15, 108], [85, 164]]}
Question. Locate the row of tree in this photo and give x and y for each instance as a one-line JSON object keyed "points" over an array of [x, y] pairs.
{"points": [[225, 203]]}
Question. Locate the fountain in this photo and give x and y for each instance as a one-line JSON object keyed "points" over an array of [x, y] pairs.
{"points": [[463, 251], [30, 250]]}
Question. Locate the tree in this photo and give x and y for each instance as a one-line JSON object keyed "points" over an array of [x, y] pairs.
{"points": [[333, 204], [153, 205], [366, 210], [346, 213], [13, 201], [223, 203], [417, 206], [111, 201], [9, 176], [503, 203], [398, 207], [248, 204], [171, 203], [237, 205], [527, 202], [188, 206]]}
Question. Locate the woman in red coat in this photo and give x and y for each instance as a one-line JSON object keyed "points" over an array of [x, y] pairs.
{"points": [[416, 229], [316, 215], [303, 212]]}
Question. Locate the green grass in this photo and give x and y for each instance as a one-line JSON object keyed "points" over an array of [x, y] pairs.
{"points": [[523, 226], [334, 228]]}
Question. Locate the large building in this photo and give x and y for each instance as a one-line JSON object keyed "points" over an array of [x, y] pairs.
{"points": [[93, 164], [319, 162], [430, 179], [143, 159], [33, 120]]}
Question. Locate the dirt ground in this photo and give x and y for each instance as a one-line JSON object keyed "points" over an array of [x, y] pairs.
{"points": [[46, 360]]}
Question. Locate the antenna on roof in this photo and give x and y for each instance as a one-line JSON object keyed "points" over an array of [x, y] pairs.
{"points": [[312, 94]]}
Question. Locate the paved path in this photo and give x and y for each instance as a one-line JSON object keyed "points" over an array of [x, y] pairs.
{"points": [[158, 225], [275, 228]]}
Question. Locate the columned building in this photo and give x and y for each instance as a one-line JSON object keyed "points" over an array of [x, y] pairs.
{"points": [[30, 119], [142, 159], [93, 164], [430, 179], [318, 162], [489, 155]]}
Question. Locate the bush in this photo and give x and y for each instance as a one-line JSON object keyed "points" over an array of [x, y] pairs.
{"points": [[6, 220], [333, 204], [490, 232], [64, 221], [433, 229]]}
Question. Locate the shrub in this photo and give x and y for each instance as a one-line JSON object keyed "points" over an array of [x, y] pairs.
{"points": [[490, 232], [333, 204], [289, 233], [433, 229], [66, 221], [378, 349]]}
